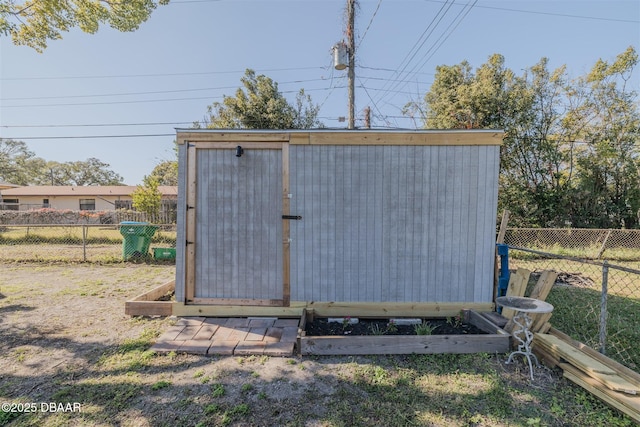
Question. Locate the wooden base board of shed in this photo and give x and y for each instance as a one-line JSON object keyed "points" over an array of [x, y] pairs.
{"points": [[148, 304], [334, 309]]}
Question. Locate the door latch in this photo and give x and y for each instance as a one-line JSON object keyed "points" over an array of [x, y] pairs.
{"points": [[296, 217]]}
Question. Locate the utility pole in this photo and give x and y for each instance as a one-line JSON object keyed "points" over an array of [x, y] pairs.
{"points": [[343, 50], [351, 76], [367, 117]]}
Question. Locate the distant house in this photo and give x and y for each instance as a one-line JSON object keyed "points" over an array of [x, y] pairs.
{"points": [[3, 187], [85, 198]]}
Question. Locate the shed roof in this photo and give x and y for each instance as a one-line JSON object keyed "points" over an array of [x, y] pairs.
{"points": [[345, 137], [89, 190]]}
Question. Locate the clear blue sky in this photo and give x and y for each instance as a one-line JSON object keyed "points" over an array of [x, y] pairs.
{"points": [[87, 95]]}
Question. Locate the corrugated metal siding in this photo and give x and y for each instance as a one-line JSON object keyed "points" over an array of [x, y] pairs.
{"points": [[380, 223], [239, 224], [396, 224]]}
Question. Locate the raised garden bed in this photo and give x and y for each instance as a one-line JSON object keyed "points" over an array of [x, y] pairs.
{"points": [[470, 333]]}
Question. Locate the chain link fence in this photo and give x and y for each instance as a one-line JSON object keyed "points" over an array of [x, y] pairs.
{"points": [[67, 216], [71, 242], [595, 302], [623, 245]]}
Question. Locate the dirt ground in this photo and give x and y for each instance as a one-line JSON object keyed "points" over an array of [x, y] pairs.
{"points": [[66, 344]]}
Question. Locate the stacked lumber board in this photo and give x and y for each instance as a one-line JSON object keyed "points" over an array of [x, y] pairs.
{"points": [[517, 288], [610, 381]]}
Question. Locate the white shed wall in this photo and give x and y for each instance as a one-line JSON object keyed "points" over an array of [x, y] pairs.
{"points": [[393, 223]]}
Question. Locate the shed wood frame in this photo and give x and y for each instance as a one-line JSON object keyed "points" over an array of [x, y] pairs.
{"points": [[392, 223]]}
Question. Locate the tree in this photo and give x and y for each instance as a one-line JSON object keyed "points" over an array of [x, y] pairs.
{"points": [[259, 105], [570, 152], [493, 97], [606, 119], [537, 166], [34, 22], [166, 173], [147, 198], [20, 166], [462, 99], [93, 172], [89, 172], [17, 163]]}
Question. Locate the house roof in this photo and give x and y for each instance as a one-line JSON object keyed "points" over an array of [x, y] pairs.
{"points": [[89, 190]]}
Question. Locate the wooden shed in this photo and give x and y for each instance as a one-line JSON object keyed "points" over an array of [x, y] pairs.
{"points": [[348, 223]]}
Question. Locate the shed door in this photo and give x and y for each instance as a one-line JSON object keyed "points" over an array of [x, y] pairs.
{"points": [[239, 244]]}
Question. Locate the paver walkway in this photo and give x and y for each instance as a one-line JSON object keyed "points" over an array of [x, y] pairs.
{"points": [[230, 336]]}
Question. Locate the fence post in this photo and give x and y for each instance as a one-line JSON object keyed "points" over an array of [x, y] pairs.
{"points": [[603, 307], [84, 242], [604, 244]]}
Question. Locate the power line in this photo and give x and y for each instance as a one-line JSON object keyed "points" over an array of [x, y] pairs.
{"points": [[151, 135], [563, 15], [100, 95], [169, 91], [433, 49], [331, 86], [147, 93], [419, 43], [117, 76], [76, 104], [96, 125], [177, 123], [372, 101], [452, 30], [375, 12], [440, 43], [390, 70], [383, 90], [194, 1], [194, 98], [435, 46], [424, 38]]}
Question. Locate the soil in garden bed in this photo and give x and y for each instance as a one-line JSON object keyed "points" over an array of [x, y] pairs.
{"points": [[169, 296], [322, 327]]}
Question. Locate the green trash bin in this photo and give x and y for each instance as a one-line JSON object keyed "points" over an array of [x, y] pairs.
{"points": [[164, 253], [137, 239]]}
